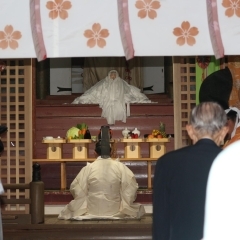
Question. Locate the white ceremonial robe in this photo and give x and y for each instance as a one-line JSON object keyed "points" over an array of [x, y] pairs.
{"points": [[112, 96], [222, 210], [104, 188]]}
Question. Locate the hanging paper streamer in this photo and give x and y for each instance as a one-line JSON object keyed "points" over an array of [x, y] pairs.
{"points": [[214, 29], [125, 30]]}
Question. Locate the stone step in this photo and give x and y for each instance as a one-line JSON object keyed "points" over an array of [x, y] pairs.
{"points": [[68, 99]]}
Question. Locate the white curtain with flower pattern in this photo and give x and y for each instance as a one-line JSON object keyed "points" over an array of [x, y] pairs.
{"points": [[93, 28]]}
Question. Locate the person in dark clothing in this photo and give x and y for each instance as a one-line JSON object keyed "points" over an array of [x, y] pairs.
{"points": [[3, 129], [180, 179]]}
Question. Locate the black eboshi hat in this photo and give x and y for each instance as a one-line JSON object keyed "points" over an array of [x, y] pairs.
{"points": [[217, 87]]}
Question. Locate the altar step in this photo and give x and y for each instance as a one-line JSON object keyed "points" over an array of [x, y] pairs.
{"points": [[160, 98], [55, 119]]}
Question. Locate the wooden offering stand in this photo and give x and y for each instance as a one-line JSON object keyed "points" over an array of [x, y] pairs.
{"points": [[156, 147], [54, 151], [132, 148], [80, 148], [54, 148]]}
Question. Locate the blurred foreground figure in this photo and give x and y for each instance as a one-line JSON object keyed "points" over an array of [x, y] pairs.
{"points": [[3, 129], [180, 179], [222, 211]]}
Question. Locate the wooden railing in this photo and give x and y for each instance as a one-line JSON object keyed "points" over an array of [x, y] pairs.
{"points": [[64, 161], [35, 203]]}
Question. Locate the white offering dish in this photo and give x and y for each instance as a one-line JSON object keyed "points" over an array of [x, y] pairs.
{"points": [[48, 138]]}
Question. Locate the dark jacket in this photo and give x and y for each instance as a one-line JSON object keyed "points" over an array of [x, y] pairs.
{"points": [[179, 191]]}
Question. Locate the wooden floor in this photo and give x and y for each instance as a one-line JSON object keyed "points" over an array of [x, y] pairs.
{"points": [[55, 229]]}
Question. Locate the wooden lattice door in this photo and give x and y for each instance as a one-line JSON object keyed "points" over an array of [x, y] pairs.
{"points": [[16, 114], [184, 94]]}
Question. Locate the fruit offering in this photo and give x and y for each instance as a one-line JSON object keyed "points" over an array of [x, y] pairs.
{"points": [[133, 135], [158, 133], [162, 130], [155, 133]]}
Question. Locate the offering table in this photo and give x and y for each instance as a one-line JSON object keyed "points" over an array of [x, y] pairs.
{"points": [[54, 151], [132, 153], [80, 148]]}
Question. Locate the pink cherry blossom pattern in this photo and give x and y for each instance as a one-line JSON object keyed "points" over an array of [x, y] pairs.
{"points": [[58, 8], [147, 8], [96, 36], [9, 37], [185, 34], [232, 7]]}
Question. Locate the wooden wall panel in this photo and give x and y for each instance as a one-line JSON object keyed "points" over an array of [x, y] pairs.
{"points": [[184, 88], [16, 114]]}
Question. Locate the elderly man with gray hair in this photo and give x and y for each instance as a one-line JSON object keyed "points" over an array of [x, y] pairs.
{"points": [[181, 176]]}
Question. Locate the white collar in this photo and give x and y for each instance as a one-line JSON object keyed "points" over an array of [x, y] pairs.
{"points": [[237, 123], [100, 158]]}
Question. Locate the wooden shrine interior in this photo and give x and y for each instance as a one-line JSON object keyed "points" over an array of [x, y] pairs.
{"points": [[55, 115]]}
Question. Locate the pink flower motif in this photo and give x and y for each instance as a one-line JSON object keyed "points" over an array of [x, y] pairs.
{"points": [[148, 8], [96, 36], [8, 38], [233, 7], [185, 34], [58, 8]]}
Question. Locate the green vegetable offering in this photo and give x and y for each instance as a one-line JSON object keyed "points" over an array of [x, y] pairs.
{"points": [[72, 133], [82, 130], [77, 132]]}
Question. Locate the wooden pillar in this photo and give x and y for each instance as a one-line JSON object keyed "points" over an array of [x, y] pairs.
{"points": [[43, 79], [37, 196], [168, 76], [37, 202]]}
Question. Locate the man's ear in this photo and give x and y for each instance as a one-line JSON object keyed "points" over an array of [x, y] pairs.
{"points": [[189, 129], [223, 132], [191, 133], [219, 136]]}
